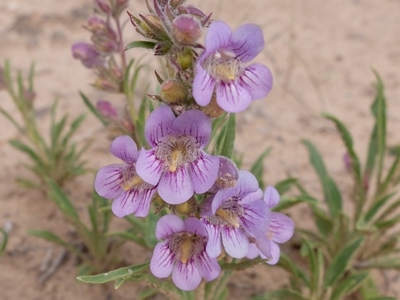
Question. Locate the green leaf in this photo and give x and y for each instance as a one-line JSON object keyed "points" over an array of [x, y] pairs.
{"points": [[314, 265], [3, 240], [348, 141], [248, 263], [282, 294], [289, 201], [258, 168], [342, 262], [140, 44], [27, 150], [285, 185], [322, 220], [93, 109], [299, 276], [392, 171], [379, 108], [229, 137], [349, 285], [365, 220], [386, 262], [114, 275], [61, 200], [331, 192]]}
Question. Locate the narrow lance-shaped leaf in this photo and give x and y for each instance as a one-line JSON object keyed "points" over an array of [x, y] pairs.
{"points": [[349, 285], [230, 134], [93, 109], [342, 262], [140, 44], [331, 192], [114, 275], [258, 168]]}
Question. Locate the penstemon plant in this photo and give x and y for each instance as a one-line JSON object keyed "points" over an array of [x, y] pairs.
{"points": [[178, 164]]}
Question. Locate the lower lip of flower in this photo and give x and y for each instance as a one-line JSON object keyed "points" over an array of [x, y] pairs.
{"points": [[229, 217], [129, 183]]}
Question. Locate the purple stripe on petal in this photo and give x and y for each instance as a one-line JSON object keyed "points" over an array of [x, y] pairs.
{"points": [[256, 218], [196, 124], [235, 242], [162, 261], [125, 149], [149, 167], [176, 187], [247, 42], [144, 201], [203, 86], [168, 225], [208, 267], [125, 204], [108, 180], [159, 124], [281, 227], [186, 276], [232, 97], [204, 172], [213, 247], [257, 80]]}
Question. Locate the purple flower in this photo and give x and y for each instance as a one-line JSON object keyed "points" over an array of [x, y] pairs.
{"points": [[233, 215], [121, 183], [182, 253], [279, 231], [87, 54], [221, 67], [177, 162]]}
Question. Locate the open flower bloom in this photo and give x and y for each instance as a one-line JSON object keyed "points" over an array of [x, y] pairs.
{"points": [[221, 67], [121, 183], [279, 231], [182, 253], [177, 162], [233, 215]]}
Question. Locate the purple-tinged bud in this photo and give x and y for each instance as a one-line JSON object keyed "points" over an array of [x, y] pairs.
{"points": [[186, 29], [176, 3], [162, 48], [87, 54], [347, 161], [106, 109], [228, 173], [173, 91], [107, 85], [104, 7], [96, 24], [119, 7]]}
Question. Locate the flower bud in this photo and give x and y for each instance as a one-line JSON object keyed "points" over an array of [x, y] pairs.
{"points": [[186, 208], [104, 7], [186, 29], [228, 173], [87, 54], [106, 109], [213, 110], [185, 59], [173, 91]]}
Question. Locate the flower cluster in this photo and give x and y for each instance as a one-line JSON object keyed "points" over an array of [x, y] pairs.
{"points": [[229, 214]]}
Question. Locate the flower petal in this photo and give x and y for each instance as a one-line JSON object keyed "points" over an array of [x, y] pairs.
{"points": [[275, 253], [168, 225], [246, 184], [186, 276], [235, 242], [195, 226], [281, 227], [232, 97], [256, 218], [218, 36], [247, 42], [159, 124], [257, 80], [124, 148], [208, 267], [149, 167], [271, 196], [108, 180], [196, 124], [203, 86], [176, 187], [162, 261], [253, 251], [204, 172], [213, 247], [135, 201], [264, 246]]}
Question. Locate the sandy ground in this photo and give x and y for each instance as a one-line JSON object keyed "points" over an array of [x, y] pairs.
{"points": [[321, 54]]}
